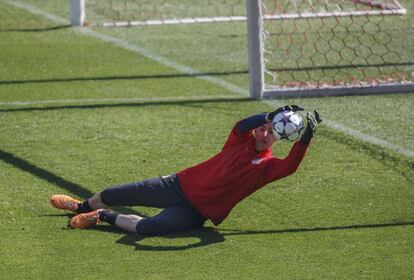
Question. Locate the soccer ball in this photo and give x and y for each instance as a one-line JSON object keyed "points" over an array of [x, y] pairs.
{"points": [[287, 125]]}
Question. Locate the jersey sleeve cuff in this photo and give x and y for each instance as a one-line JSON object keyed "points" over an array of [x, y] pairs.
{"points": [[267, 118]]}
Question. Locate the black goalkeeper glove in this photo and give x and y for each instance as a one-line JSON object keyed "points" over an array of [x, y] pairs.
{"points": [[271, 115], [312, 123]]}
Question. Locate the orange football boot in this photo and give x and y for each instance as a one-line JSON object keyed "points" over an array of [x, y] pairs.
{"points": [[85, 220], [64, 202]]}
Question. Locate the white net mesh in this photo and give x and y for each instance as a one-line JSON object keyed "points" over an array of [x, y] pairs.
{"points": [[347, 43], [307, 43], [151, 12]]}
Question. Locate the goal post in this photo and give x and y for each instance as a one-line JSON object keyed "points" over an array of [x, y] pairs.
{"points": [[329, 47], [131, 13], [77, 12], [295, 47], [255, 48]]}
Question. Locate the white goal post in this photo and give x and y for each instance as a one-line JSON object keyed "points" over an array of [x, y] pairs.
{"points": [[77, 12], [258, 35], [295, 47]]}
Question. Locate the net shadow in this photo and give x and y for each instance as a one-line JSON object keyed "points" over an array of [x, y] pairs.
{"points": [[121, 78], [188, 102], [45, 29]]}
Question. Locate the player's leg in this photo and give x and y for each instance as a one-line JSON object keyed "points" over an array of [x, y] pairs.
{"points": [[155, 192], [164, 192], [127, 222], [95, 202], [171, 219], [65, 202], [86, 220]]}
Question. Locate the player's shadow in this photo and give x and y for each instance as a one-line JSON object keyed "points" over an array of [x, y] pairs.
{"points": [[207, 236], [173, 242]]}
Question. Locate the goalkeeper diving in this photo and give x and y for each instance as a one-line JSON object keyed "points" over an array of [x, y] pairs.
{"points": [[206, 191]]}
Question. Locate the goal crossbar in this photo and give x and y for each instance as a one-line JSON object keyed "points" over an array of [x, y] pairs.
{"points": [[347, 84], [400, 11], [173, 21], [260, 15], [78, 15]]}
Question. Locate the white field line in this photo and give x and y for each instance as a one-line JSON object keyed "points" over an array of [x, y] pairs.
{"points": [[131, 47], [188, 70], [36, 11], [164, 61], [367, 138]]}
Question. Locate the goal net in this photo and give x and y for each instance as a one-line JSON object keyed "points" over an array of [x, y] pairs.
{"points": [[124, 13], [325, 47], [296, 47]]}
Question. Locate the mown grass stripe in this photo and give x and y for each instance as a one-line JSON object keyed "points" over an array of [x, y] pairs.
{"points": [[185, 69], [368, 138]]}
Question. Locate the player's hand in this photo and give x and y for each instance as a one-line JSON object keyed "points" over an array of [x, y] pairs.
{"points": [[293, 108], [312, 123]]}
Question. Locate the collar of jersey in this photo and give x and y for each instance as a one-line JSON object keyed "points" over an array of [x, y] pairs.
{"points": [[265, 154]]}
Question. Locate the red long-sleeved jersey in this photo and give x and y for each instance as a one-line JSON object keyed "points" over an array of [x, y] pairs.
{"points": [[216, 185]]}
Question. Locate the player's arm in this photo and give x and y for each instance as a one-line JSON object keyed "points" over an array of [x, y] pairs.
{"points": [[257, 120], [279, 168], [312, 124]]}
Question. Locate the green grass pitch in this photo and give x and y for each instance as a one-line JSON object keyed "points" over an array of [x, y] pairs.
{"points": [[348, 213]]}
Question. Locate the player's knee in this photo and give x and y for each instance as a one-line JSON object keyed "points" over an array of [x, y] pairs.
{"points": [[150, 227], [109, 197], [157, 226]]}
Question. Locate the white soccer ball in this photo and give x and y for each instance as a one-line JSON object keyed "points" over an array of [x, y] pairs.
{"points": [[287, 125]]}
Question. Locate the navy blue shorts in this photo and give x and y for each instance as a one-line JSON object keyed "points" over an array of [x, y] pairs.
{"points": [[163, 192]]}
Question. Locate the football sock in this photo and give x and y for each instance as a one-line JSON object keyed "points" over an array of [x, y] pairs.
{"points": [[84, 207], [108, 216]]}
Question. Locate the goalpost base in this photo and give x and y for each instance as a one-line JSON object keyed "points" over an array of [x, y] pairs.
{"points": [[77, 12], [394, 88]]}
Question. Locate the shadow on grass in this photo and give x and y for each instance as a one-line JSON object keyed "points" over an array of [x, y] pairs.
{"points": [[177, 75], [208, 235], [121, 78], [66, 214], [45, 29], [230, 232], [205, 237], [187, 102], [54, 179]]}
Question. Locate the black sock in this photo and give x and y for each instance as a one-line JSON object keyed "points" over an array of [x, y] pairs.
{"points": [[108, 216], [84, 207]]}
